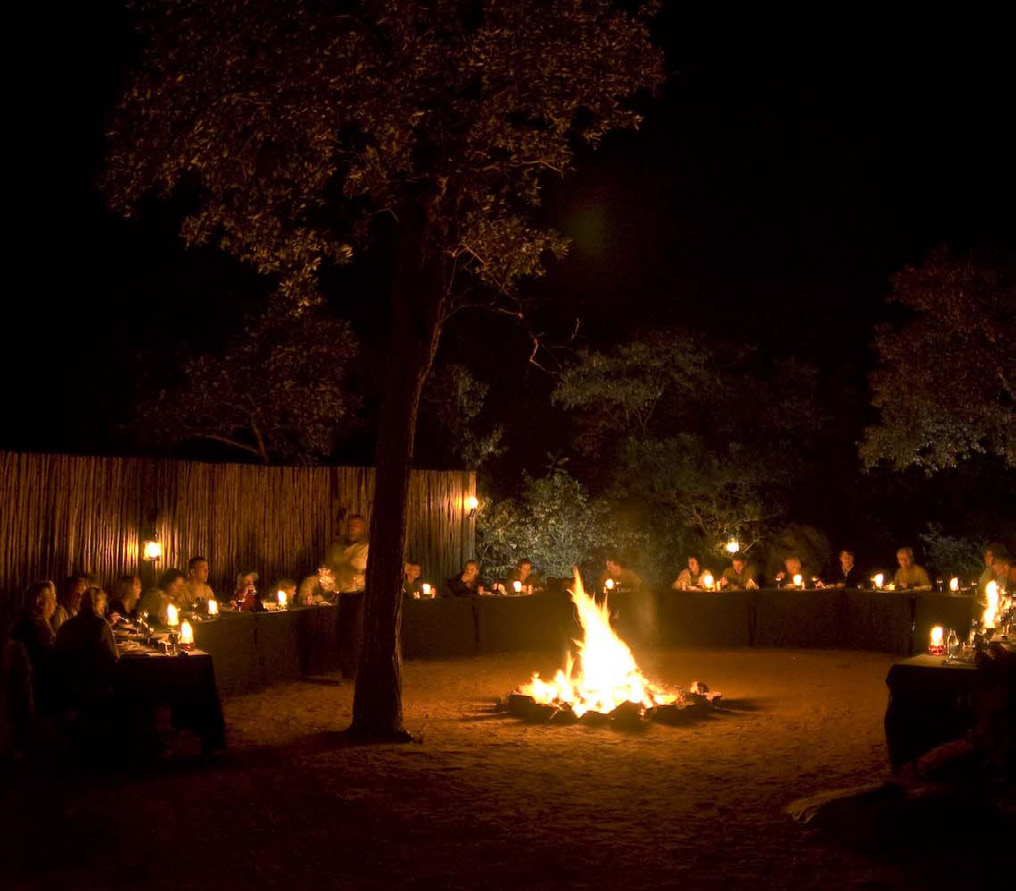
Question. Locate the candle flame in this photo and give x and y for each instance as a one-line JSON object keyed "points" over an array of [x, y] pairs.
{"points": [[991, 610], [878, 579], [936, 636], [213, 607], [186, 634], [282, 598], [172, 616]]}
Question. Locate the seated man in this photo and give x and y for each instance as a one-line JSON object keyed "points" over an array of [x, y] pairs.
{"points": [[1004, 572], [319, 588], [529, 581], [196, 590], [155, 600], [466, 584], [848, 575], [990, 553], [624, 579], [126, 594], [740, 575], [910, 576], [68, 599], [411, 573], [690, 576], [792, 566]]}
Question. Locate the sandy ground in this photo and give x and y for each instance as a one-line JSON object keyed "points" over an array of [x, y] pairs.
{"points": [[484, 800]]}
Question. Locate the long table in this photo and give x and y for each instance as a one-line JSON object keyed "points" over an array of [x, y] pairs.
{"points": [[252, 650]]}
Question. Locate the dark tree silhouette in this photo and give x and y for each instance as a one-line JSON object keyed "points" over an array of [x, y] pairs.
{"points": [[946, 386], [303, 125]]}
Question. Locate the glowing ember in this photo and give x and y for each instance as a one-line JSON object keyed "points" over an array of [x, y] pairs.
{"points": [[605, 675]]}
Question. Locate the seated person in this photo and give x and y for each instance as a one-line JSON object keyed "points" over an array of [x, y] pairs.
{"points": [[847, 575], [68, 597], [791, 566], [155, 600], [740, 575], [411, 573], [1004, 572], [466, 584], [625, 579], [529, 581], [126, 594], [319, 588], [196, 590], [690, 576], [33, 626], [86, 652], [910, 576], [995, 549], [246, 594]]}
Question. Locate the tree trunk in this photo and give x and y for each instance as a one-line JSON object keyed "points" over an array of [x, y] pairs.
{"points": [[415, 329]]}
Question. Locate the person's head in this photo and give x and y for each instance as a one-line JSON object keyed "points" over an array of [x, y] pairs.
{"points": [[992, 551], [127, 590], [738, 561], [41, 598], [412, 571], [470, 571], [197, 570], [905, 557], [171, 582], [614, 566], [356, 528], [847, 560], [695, 565], [525, 568], [93, 602], [245, 581], [70, 592], [792, 564], [326, 578], [288, 586]]}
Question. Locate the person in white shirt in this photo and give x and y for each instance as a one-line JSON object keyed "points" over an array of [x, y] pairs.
{"points": [[196, 589], [347, 560]]}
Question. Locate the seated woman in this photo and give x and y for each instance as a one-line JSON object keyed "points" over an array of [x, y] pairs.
{"points": [[155, 600], [68, 599], [910, 576], [466, 584], [411, 572], [126, 594], [690, 576], [86, 652], [319, 588], [529, 581]]}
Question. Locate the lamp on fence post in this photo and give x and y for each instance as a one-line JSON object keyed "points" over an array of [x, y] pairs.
{"points": [[151, 553]]}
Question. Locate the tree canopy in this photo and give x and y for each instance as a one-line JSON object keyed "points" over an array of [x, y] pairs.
{"points": [[946, 385]]}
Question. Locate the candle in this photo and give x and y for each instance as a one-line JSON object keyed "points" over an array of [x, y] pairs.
{"points": [[707, 580], [213, 607], [172, 616], [282, 598], [798, 580], [954, 584], [936, 647], [878, 579], [425, 588], [608, 585], [186, 634], [517, 585]]}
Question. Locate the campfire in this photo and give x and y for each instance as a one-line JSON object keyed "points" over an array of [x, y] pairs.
{"points": [[602, 682]]}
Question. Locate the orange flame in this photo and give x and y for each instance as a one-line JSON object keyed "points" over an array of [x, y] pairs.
{"points": [[605, 674]]}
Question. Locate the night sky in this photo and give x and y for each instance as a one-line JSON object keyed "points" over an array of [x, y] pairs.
{"points": [[785, 172]]}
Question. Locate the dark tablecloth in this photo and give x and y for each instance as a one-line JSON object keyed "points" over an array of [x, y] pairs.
{"points": [[439, 629], [512, 624], [793, 618], [185, 684], [697, 618]]}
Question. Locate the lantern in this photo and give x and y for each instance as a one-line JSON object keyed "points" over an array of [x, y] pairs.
{"points": [[707, 580], [936, 645], [213, 607], [517, 585], [151, 550], [878, 580], [798, 580], [954, 584], [472, 503], [172, 616], [282, 598], [425, 590], [186, 635], [608, 586], [733, 546]]}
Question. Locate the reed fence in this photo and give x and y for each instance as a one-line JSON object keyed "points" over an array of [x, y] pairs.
{"points": [[62, 514]]}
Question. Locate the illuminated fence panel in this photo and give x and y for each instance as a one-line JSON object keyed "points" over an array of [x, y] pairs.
{"points": [[61, 514]]}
